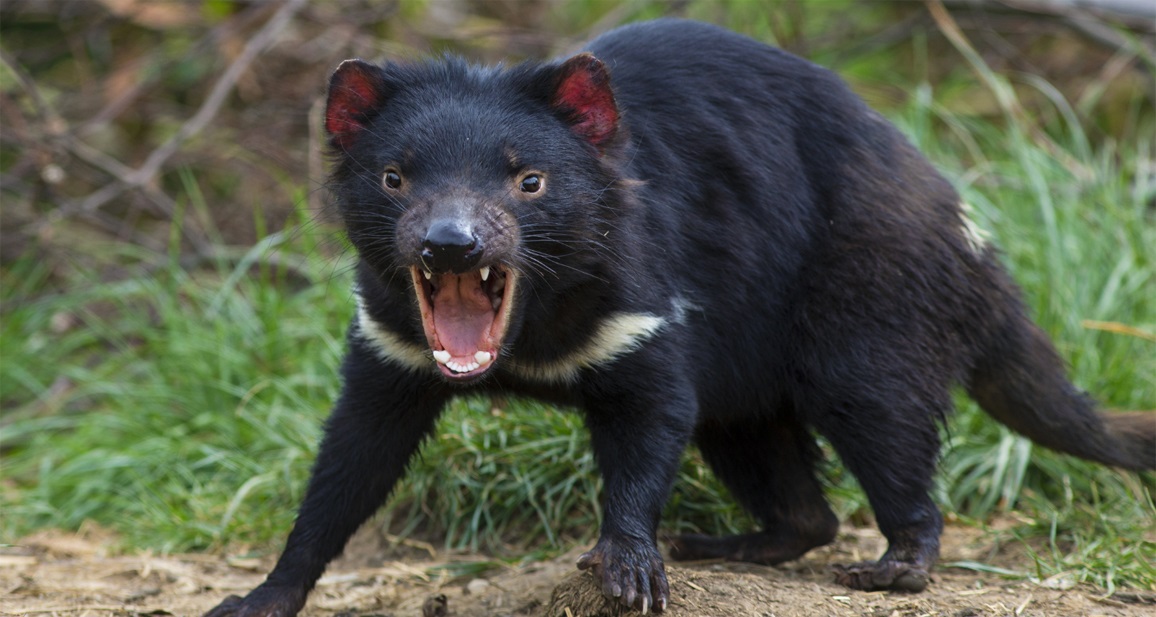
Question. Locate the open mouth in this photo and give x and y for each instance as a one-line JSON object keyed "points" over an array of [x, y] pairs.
{"points": [[464, 316]]}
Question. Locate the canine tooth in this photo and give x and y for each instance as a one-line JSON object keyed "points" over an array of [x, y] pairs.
{"points": [[442, 356], [483, 357], [428, 274], [485, 272]]}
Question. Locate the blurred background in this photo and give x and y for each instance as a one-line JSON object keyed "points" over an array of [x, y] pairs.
{"points": [[173, 292]]}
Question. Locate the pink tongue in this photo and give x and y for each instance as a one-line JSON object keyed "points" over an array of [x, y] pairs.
{"points": [[462, 315]]}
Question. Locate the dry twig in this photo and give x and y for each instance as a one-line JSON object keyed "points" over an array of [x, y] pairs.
{"points": [[126, 178]]}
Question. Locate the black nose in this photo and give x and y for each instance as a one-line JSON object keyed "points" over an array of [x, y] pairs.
{"points": [[450, 245]]}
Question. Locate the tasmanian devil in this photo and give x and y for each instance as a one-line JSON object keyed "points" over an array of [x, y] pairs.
{"points": [[686, 235]]}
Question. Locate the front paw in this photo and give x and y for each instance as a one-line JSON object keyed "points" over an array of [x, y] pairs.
{"points": [[261, 602], [631, 573]]}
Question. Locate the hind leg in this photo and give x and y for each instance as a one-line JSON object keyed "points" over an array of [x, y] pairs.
{"points": [[768, 467], [892, 449]]}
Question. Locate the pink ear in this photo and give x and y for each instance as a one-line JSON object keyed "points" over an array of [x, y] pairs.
{"points": [[583, 92], [355, 90]]}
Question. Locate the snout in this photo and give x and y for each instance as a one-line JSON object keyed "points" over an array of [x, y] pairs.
{"points": [[463, 281], [451, 245]]}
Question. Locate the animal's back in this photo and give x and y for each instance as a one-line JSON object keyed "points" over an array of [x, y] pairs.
{"points": [[762, 170], [701, 101]]}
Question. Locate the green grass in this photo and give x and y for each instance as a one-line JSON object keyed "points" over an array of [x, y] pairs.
{"points": [[181, 407], [162, 403]]}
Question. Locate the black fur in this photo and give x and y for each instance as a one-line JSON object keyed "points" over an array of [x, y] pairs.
{"points": [[776, 257]]}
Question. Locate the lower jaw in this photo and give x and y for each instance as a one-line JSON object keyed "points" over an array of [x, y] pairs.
{"points": [[463, 378]]}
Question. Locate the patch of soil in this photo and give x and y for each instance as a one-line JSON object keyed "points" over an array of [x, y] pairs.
{"points": [[70, 575]]}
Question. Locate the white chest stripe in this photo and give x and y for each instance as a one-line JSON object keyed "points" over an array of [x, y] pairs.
{"points": [[389, 346], [618, 334]]}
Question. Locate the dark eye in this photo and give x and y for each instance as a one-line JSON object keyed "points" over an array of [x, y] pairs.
{"points": [[391, 179], [531, 183]]}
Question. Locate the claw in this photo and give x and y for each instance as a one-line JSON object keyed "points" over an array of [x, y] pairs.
{"points": [[630, 575]]}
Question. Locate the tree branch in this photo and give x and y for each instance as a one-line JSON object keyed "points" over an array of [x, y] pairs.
{"points": [[144, 174]]}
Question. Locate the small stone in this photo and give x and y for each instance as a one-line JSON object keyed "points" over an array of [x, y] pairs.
{"points": [[476, 586]]}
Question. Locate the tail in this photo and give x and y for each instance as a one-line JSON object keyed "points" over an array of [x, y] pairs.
{"points": [[1020, 380]]}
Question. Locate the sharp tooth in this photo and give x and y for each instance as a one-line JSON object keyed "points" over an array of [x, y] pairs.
{"points": [[485, 272], [483, 357], [428, 274], [442, 356]]}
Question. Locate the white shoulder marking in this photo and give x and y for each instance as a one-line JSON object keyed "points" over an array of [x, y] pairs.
{"points": [[680, 308], [618, 334], [389, 346], [977, 237]]}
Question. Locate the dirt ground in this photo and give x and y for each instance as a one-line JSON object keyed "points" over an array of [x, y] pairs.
{"points": [[69, 575]]}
